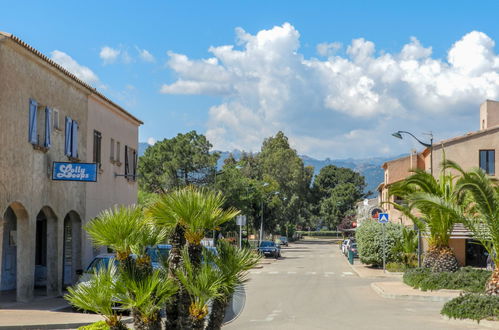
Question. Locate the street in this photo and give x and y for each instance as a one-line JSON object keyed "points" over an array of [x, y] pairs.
{"points": [[313, 287]]}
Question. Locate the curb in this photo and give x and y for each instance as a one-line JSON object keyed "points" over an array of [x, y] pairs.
{"points": [[483, 323], [413, 297]]}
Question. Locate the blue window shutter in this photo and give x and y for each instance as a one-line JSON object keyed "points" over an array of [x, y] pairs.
{"points": [[67, 140], [32, 134], [48, 127], [74, 140]]}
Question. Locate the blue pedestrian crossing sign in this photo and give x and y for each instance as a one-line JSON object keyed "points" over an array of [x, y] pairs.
{"points": [[383, 217]]}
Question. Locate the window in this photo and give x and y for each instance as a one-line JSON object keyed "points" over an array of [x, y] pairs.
{"points": [[118, 150], [487, 161], [97, 147], [57, 125], [39, 123], [130, 163], [111, 151], [71, 138]]}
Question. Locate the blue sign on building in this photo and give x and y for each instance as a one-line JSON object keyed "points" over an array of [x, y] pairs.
{"points": [[83, 172]]}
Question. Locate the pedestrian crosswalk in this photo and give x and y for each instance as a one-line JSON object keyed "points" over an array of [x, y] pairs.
{"points": [[306, 273]]}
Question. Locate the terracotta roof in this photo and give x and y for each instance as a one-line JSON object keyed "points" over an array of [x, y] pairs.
{"points": [[68, 74]]}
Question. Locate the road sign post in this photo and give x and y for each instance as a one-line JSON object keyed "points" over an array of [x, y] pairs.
{"points": [[383, 218], [241, 221]]}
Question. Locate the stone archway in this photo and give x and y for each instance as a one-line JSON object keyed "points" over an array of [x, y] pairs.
{"points": [[46, 252], [16, 246], [71, 255]]}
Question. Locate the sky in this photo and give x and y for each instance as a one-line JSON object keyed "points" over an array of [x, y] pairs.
{"points": [[337, 77]]}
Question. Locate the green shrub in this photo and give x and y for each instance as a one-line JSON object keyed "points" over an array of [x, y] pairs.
{"points": [[100, 325], [322, 233], [467, 279], [396, 267], [370, 242], [472, 306]]}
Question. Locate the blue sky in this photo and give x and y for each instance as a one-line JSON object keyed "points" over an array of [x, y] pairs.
{"points": [[341, 100]]}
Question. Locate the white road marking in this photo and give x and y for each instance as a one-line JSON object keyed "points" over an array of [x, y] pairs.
{"points": [[291, 272], [256, 272], [310, 273], [273, 272]]}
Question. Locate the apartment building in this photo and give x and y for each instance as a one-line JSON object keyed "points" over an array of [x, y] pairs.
{"points": [[48, 115], [471, 150]]}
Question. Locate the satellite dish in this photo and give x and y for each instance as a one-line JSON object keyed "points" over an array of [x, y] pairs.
{"points": [[236, 305]]}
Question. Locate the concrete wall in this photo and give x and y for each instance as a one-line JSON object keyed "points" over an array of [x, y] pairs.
{"points": [[459, 247], [25, 183], [109, 190], [489, 114]]}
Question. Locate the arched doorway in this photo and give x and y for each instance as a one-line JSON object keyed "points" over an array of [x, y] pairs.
{"points": [[46, 247], [16, 268], [71, 256]]}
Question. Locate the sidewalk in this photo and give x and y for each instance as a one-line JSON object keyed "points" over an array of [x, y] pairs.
{"points": [[399, 290], [370, 272], [43, 313]]}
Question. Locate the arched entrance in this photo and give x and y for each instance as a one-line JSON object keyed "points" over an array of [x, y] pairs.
{"points": [[16, 270], [46, 247], [71, 256]]}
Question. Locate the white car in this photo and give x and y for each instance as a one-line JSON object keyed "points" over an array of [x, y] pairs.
{"points": [[343, 245], [349, 242]]}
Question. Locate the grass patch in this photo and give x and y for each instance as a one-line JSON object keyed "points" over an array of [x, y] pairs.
{"points": [[472, 306], [100, 325], [467, 279], [396, 267]]}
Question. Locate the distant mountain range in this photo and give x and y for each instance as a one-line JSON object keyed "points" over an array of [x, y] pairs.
{"points": [[370, 168]]}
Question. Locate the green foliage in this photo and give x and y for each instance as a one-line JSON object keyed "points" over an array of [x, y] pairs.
{"points": [[97, 295], [396, 267], [406, 247], [322, 233], [100, 325], [181, 161], [467, 279], [196, 209], [472, 306], [370, 242], [336, 191]]}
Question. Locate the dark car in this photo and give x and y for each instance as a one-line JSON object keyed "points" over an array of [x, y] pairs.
{"points": [[283, 240], [353, 248], [269, 249]]}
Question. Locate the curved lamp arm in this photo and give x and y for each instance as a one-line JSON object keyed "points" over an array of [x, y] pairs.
{"points": [[399, 136]]}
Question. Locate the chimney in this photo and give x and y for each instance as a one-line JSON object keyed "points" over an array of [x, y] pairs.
{"points": [[489, 114]]}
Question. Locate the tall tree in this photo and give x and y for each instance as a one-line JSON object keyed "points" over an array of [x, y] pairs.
{"points": [[181, 161]]}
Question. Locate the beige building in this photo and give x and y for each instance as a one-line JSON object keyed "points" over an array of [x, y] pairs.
{"points": [[472, 150], [47, 114]]}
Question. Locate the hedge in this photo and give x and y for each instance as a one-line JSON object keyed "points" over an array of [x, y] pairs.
{"points": [[472, 306], [319, 233], [467, 279], [370, 242]]}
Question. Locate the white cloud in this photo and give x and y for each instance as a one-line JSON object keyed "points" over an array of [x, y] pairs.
{"points": [[67, 62], [151, 141], [145, 55], [108, 54], [328, 49], [340, 106]]}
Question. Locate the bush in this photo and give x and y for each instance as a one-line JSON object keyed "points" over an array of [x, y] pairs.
{"points": [[472, 306], [322, 233], [396, 267], [467, 279], [100, 325], [370, 242]]}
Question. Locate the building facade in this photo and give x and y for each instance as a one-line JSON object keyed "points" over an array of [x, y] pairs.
{"points": [[46, 115], [472, 150]]}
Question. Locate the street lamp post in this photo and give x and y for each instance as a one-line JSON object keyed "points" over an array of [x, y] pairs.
{"points": [[398, 135]]}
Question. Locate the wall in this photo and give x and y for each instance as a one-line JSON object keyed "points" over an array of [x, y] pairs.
{"points": [[25, 182], [109, 190]]}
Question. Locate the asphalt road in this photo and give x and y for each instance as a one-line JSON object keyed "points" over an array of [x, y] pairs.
{"points": [[313, 287]]}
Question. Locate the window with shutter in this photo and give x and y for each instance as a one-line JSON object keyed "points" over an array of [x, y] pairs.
{"points": [[32, 133], [97, 147], [67, 136], [111, 151], [74, 139], [126, 162], [48, 127]]}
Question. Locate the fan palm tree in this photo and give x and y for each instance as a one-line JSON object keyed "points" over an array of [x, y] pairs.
{"points": [[203, 284], [97, 295], [478, 210], [188, 214], [146, 295], [406, 247], [233, 265], [415, 190]]}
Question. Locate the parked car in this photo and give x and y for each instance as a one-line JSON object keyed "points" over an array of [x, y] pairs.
{"points": [[269, 249], [158, 254], [353, 248], [97, 263], [283, 240]]}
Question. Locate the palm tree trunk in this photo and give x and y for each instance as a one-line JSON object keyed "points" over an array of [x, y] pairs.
{"points": [[441, 259], [196, 324], [195, 254], [139, 324], [217, 314], [177, 240], [492, 286]]}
